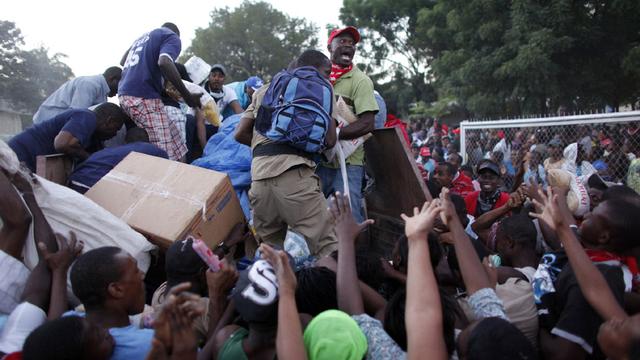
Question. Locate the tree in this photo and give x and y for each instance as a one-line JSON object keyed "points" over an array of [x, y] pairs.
{"points": [[390, 47], [502, 58], [27, 77], [253, 39]]}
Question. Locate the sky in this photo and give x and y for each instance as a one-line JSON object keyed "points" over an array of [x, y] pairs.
{"points": [[94, 36]]}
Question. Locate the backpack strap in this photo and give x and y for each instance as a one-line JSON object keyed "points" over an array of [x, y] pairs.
{"points": [[272, 149]]}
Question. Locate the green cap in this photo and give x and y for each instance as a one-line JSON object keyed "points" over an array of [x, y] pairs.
{"points": [[334, 335]]}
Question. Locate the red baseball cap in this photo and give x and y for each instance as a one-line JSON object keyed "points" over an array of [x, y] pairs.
{"points": [[424, 152], [349, 29]]}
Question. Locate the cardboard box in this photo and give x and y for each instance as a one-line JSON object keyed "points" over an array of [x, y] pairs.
{"points": [[167, 200]]}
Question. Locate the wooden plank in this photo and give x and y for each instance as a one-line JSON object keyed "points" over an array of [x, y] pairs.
{"points": [[398, 187], [56, 168], [398, 183]]}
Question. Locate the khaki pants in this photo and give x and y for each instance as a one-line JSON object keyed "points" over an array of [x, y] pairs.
{"points": [[293, 199]]}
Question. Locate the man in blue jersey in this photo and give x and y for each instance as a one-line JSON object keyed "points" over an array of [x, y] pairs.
{"points": [[101, 162], [149, 62], [71, 132]]}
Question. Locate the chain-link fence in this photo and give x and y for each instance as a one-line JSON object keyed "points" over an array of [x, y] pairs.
{"points": [[605, 143]]}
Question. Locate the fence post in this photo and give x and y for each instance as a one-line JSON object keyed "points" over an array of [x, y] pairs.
{"points": [[463, 141]]}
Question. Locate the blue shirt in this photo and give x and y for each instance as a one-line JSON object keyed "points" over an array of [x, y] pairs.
{"points": [[79, 93], [381, 115], [132, 343], [101, 162], [38, 139], [141, 76], [243, 98]]}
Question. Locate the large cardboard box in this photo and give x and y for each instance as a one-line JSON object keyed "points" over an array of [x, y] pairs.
{"points": [[168, 200]]}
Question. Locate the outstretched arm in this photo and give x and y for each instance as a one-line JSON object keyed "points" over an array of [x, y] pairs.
{"points": [[593, 285], [68, 144], [473, 273], [59, 263], [15, 217], [170, 72], [486, 220], [289, 342], [364, 125], [347, 230], [423, 315]]}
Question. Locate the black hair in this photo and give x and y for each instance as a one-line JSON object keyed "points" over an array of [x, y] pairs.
{"points": [[182, 70], [111, 72], [369, 267], [394, 313], [171, 26], [110, 111], [316, 291], [622, 221], [596, 182], [520, 229], [62, 338], [458, 156], [394, 319], [312, 58], [92, 273], [451, 169], [403, 252], [467, 167], [434, 188], [136, 134], [634, 350], [620, 192], [435, 250], [496, 338]]}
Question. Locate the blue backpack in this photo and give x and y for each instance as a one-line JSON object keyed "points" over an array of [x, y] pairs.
{"points": [[296, 109]]}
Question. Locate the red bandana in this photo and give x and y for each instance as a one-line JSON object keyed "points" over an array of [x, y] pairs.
{"points": [[337, 71], [601, 256]]}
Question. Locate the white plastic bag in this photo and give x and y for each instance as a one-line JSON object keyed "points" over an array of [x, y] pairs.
{"points": [[67, 210]]}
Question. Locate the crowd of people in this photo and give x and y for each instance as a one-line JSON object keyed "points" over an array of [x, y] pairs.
{"points": [[583, 150], [496, 264]]}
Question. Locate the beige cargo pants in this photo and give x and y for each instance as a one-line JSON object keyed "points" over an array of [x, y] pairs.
{"points": [[293, 198]]}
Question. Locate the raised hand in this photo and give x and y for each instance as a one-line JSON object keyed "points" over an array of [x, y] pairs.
{"points": [[551, 215], [184, 340], [287, 281], [220, 282], [419, 225], [448, 213], [346, 227], [517, 198], [68, 251]]}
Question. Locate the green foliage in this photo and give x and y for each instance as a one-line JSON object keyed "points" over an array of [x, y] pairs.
{"points": [[27, 77], [390, 49], [252, 39], [502, 58]]}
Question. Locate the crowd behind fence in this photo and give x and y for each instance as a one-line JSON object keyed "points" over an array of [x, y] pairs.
{"points": [[605, 143]]}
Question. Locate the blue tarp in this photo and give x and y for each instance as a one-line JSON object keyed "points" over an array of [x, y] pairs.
{"points": [[223, 153]]}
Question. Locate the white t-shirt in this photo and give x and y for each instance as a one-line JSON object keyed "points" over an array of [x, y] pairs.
{"points": [[224, 98]]}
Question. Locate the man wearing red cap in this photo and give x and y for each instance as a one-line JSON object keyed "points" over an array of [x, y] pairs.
{"points": [[356, 89]]}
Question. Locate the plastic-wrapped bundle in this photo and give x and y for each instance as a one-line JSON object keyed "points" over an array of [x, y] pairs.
{"points": [[223, 153]]}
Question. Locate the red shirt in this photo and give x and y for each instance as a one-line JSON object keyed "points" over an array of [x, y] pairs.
{"points": [[462, 185], [472, 202]]}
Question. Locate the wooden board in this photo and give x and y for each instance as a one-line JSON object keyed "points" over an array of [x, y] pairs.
{"points": [[56, 168], [398, 187]]}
